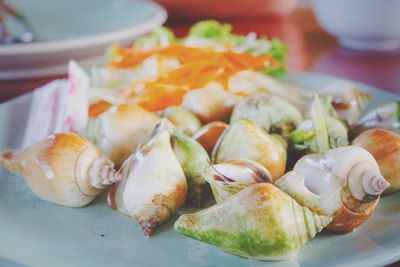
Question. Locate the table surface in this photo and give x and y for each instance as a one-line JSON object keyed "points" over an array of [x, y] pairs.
{"points": [[310, 49]]}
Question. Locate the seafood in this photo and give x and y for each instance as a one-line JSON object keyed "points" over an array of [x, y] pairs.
{"points": [[245, 139], [232, 176], [154, 184], [347, 100], [272, 113], [194, 161], [386, 116], [209, 134], [211, 103], [344, 183], [184, 120], [120, 130], [65, 169], [249, 82], [260, 222], [384, 146]]}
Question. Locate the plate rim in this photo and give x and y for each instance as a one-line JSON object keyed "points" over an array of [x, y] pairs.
{"points": [[68, 44], [375, 261]]}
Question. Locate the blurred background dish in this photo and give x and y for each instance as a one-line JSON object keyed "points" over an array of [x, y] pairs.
{"points": [[80, 30], [361, 24]]}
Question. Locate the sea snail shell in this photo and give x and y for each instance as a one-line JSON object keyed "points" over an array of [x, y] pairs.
{"points": [[65, 169], [344, 183]]}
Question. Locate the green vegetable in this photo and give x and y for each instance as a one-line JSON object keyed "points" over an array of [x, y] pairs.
{"points": [[210, 29], [398, 111], [158, 36], [300, 136], [278, 49], [317, 116]]}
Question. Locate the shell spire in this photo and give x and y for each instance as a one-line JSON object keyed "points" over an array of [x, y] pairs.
{"points": [[102, 173], [154, 184], [344, 183], [65, 169]]}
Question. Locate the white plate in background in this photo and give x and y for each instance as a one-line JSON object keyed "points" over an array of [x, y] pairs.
{"points": [[73, 29]]}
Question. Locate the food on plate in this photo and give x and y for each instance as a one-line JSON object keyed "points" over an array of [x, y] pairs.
{"points": [[153, 184], [209, 134], [260, 222], [281, 167], [249, 82], [347, 100], [183, 119], [386, 116], [245, 139], [321, 131], [384, 146], [211, 103], [272, 113], [120, 130], [343, 183], [65, 169], [194, 161], [230, 177]]}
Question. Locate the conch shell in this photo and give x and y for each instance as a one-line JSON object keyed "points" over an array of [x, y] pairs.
{"points": [[211, 103], [244, 139], [194, 161], [260, 222], [209, 134], [384, 146], [347, 100], [232, 176], [344, 183], [272, 113], [65, 169], [120, 130], [153, 185], [386, 116], [184, 120]]}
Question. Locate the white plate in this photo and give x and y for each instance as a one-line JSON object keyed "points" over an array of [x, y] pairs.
{"points": [[37, 233], [73, 29]]}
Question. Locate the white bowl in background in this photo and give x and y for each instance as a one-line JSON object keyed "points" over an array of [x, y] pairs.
{"points": [[361, 24]]}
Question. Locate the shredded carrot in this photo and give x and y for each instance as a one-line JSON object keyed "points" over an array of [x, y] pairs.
{"points": [[98, 108], [160, 96], [198, 67]]}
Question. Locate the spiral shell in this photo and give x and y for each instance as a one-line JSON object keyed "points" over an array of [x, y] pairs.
{"points": [[244, 139], [65, 169], [232, 176], [344, 183], [194, 161], [347, 100], [184, 120], [272, 113], [209, 134], [260, 222], [384, 146], [154, 184], [385, 117], [120, 130], [211, 103]]}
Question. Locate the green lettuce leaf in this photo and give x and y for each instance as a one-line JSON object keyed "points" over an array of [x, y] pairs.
{"points": [[211, 29]]}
